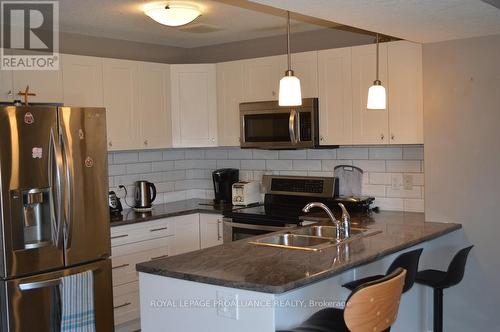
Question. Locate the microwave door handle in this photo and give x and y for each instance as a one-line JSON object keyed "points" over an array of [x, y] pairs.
{"points": [[291, 126], [297, 127]]}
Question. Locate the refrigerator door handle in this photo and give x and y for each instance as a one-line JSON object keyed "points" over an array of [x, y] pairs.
{"points": [[55, 159], [68, 193], [39, 284]]}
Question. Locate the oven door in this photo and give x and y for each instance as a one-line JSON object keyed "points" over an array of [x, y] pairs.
{"points": [[277, 128], [234, 231]]}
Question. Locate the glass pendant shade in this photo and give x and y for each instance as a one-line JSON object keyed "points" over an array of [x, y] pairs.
{"points": [[376, 97], [173, 14], [290, 93]]}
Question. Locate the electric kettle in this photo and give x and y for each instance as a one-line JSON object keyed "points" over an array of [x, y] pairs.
{"points": [[144, 195]]}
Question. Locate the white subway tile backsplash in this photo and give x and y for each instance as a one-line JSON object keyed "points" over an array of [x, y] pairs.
{"points": [[386, 153], [306, 165], [413, 152], [265, 154], [279, 165], [125, 157], [186, 173], [293, 154], [403, 166], [253, 164], [352, 153], [150, 155], [161, 166], [370, 165]]}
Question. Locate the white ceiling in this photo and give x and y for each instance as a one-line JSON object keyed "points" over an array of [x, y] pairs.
{"points": [[416, 20], [124, 19]]}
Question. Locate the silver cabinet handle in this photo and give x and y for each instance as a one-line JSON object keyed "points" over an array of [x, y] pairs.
{"points": [[118, 236], [219, 237], [120, 266], [158, 229], [382, 137], [158, 257], [122, 305]]}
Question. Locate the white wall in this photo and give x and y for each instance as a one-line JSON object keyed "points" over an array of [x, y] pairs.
{"points": [[462, 168], [186, 173]]}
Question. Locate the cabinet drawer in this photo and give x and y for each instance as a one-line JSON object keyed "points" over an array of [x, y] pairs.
{"points": [[124, 266], [140, 232], [126, 302], [134, 248]]}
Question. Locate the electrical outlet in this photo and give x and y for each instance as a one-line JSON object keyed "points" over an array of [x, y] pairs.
{"points": [[408, 181], [227, 305], [396, 181]]}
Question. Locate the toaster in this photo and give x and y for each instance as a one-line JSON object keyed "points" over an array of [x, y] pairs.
{"points": [[246, 193]]}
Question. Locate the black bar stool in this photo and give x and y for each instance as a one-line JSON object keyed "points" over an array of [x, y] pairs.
{"points": [[439, 280], [371, 307], [408, 261]]}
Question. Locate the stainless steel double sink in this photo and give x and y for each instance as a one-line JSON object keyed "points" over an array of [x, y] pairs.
{"points": [[312, 238]]}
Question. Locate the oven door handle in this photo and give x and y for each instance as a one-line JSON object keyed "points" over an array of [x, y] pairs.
{"points": [[257, 227]]}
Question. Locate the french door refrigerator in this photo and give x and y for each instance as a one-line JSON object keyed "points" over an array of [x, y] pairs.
{"points": [[54, 213]]}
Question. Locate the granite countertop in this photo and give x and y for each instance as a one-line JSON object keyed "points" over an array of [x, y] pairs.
{"points": [[243, 265], [166, 210]]}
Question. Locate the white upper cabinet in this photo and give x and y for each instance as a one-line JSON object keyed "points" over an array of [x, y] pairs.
{"points": [[405, 93], [335, 96], [369, 126], [153, 111], [194, 105], [305, 66], [46, 84], [82, 81], [120, 86], [262, 76], [6, 89], [230, 93]]}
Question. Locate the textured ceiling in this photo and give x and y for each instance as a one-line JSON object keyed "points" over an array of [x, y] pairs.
{"points": [[232, 20], [416, 20]]}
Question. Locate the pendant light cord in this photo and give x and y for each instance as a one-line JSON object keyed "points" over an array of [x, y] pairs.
{"points": [[377, 56], [288, 52]]}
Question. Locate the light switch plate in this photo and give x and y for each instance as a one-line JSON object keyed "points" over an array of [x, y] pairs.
{"points": [[396, 181], [227, 305], [408, 181]]}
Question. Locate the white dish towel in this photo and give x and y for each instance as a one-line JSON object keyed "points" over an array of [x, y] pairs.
{"points": [[77, 303]]}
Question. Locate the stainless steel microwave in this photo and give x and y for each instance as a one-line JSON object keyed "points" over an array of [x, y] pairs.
{"points": [[266, 125]]}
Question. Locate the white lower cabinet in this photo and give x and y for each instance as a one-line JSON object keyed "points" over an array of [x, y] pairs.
{"points": [[210, 230], [142, 242]]}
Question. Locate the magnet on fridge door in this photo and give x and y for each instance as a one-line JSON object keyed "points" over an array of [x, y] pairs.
{"points": [[36, 153]]}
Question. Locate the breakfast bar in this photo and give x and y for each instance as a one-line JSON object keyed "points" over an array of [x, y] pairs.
{"points": [[244, 286]]}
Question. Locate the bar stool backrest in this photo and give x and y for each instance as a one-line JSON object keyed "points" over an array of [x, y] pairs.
{"points": [[456, 269], [408, 261], [374, 305]]}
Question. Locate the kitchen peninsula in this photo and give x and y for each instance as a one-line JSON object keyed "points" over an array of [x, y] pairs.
{"points": [[240, 286]]}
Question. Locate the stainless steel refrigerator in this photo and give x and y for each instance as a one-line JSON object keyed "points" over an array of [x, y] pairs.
{"points": [[54, 213]]}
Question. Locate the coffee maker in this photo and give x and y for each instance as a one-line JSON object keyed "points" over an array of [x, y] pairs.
{"points": [[223, 184]]}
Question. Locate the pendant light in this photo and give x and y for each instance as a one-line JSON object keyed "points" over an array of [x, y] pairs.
{"points": [[376, 93], [289, 94]]}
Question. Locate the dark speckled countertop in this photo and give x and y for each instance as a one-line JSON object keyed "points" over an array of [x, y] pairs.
{"points": [[276, 270], [173, 209]]}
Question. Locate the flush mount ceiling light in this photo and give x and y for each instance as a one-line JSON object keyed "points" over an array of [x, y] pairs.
{"points": [[290, 93], [376, 93], [172, 13]]}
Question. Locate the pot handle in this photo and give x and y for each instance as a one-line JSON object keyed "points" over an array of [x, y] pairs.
{"points": [[153, 188]]}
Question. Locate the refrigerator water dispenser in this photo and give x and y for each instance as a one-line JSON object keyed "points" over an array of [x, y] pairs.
{"points": [[36, 218]]}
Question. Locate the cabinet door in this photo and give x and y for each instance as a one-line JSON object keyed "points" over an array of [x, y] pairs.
{"points": [[154, 110], [6, 89], [335, 96], [230, 90], [369, 126], [405, 97], [82, 77], [305, 66], [46, 84], [194, 105], [262, 76], [210, 230], [186, 233], [120, 99]]}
